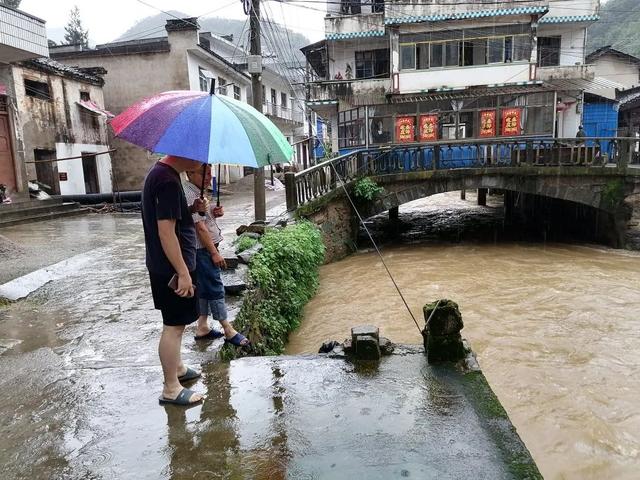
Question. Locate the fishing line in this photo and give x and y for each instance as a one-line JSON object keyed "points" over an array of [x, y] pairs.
{"points": [[376, 247]]}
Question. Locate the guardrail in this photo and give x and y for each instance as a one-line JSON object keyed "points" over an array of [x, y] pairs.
{"points": [[317, 181]]}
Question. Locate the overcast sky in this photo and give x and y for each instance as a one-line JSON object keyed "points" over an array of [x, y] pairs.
{"points": [[108, 19]]}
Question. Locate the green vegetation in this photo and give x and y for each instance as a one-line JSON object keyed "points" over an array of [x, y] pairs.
{"points": [[284, 277], [244, 242], [366, 189], [613, 193], [618, 27]]}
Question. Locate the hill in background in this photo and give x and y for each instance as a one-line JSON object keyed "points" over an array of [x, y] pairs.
{"points": [[279, 40], [619, 26]]}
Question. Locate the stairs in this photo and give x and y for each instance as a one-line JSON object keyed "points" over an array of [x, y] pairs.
{"points": [[36, 210]]}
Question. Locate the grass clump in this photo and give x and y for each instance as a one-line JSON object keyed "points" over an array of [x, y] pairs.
{"points": [[284, 277], [244, 242]]}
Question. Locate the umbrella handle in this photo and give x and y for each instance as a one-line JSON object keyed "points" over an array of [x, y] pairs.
{"points": [[218, 187], [204, 174]]}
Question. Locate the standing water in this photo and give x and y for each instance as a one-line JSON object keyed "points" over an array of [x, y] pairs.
{"points": [[555, 328]]}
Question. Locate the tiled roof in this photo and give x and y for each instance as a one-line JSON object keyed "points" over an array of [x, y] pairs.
{"points": [[350, 35], [570, 19], [49, 65], [466, 15]]}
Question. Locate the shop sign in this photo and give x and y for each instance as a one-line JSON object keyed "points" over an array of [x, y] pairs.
{"points": [[63, 176], [405, 129], [488, 123], [511, 121], [428, 127]]}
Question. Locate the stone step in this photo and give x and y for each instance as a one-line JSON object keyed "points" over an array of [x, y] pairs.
{"points": [[39, 213]]}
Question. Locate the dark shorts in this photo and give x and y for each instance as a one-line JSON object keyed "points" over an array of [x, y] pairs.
{"points": [[175, 310]]}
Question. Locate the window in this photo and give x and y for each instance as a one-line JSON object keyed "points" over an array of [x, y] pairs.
{"points": [[372, 63], [452, 54], [437, 55], [548, 51], [264, 95], [36, 89], [422, 56], [407, 57], [237, 93], [283, 99], [495, 47], [84, 96], [351, 128], [474, 52], [274, 96], [222, 89], [204, 82]]}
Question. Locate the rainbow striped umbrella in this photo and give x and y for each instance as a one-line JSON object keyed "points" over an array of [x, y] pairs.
{"points": [[209, 128]]}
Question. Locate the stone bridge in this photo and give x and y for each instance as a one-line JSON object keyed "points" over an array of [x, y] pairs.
{"points": [[599, 175]]}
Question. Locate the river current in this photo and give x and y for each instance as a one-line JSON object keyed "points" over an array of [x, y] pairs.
{"points": [[555, 327]]}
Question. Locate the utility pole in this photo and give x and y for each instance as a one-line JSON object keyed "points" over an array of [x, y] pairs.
{"points": [[259, 202]]}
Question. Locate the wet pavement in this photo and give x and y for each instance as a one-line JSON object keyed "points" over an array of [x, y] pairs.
{"points": [[80, 382]]}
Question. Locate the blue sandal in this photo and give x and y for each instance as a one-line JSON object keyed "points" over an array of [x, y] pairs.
{"points": [[237, 340], [189, 375], [212, 335], [182, 399]]}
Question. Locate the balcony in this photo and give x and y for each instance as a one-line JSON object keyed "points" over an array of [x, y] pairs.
{"points": [[346, 27], [22, 36], [278, 112], [355, 92]]}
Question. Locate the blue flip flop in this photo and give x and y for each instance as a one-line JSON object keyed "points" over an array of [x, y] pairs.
{"points": [[212, 335], [189, 375], [182, 399], [237, 340]]}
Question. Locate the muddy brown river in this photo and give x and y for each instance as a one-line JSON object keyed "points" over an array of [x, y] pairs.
{"points": [[556, 329]]}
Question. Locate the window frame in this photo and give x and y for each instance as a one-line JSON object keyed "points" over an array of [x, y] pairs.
{"points": [[32, 89]]}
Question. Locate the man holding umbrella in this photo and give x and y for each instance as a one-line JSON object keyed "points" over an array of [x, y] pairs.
{"points": [[170, 241]]}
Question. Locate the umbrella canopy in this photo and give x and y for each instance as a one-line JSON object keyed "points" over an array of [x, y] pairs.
{"points": [[204, 127]]}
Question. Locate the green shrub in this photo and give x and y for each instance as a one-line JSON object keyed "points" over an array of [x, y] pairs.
{"points": [[284, 277], [244, 242], [366, 189]]}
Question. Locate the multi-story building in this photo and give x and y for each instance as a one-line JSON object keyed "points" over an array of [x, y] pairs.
{"points": [[186, 59], [419, 71]]}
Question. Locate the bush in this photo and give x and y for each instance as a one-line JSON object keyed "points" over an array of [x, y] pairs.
{"points": [[243, 243], [367, 189], [284, 277]]}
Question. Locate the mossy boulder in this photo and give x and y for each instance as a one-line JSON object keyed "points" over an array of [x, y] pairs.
{"points": [[442, 339]]}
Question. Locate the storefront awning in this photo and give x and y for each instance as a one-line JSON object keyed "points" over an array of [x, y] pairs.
{"points": [[95, 109]]}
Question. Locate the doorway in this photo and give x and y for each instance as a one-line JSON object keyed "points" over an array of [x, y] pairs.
{"points": [[90, 172], [7, 165], [47, 171]]}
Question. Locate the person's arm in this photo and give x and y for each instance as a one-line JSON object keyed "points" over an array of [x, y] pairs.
{"points": [[171, 247], [205, 239]]}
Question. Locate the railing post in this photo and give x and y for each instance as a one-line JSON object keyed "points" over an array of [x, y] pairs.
{"points": [[290, 189], [436, 157], [625, 153], [529, 153]]}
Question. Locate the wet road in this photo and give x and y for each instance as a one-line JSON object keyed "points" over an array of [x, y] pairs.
{"points": [[555, 327]]}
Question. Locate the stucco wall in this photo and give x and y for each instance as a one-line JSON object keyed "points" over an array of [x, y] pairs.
{"points": [[74, 185], [618, 70]]}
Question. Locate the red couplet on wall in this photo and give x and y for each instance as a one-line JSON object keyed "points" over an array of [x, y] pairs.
{"points": [[428, 128], [511, 121], [488, 123], [405, 129]]}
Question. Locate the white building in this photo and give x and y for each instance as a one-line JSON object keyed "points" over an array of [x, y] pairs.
{"points": [[186, 59], [398, 71], [618, 67]]}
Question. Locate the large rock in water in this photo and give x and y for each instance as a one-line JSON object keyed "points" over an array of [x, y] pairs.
{"points": [[442, 339]]}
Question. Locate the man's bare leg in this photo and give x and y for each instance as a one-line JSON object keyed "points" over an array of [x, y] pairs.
{"points": [[202, 326], [171, 361]]}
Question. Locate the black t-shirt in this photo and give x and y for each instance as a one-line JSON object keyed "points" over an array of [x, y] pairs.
{"points": [[163, 199]]}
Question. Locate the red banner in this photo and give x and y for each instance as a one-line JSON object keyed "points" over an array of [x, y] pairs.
{"points": [[405, 129], [428, 127], [511, 121], [488, 123]]}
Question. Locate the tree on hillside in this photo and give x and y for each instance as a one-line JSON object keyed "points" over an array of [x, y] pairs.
{"points": [[75, 33], [618, 27], [12, 3]]}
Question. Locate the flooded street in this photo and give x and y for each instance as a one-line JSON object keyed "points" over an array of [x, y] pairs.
{"points": [[555, 327]]}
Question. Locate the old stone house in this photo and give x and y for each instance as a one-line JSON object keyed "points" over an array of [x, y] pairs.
{"points": [[58, 115]]}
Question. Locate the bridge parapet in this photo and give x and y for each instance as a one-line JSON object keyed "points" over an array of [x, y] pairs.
{"points": [[591, 152]]}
